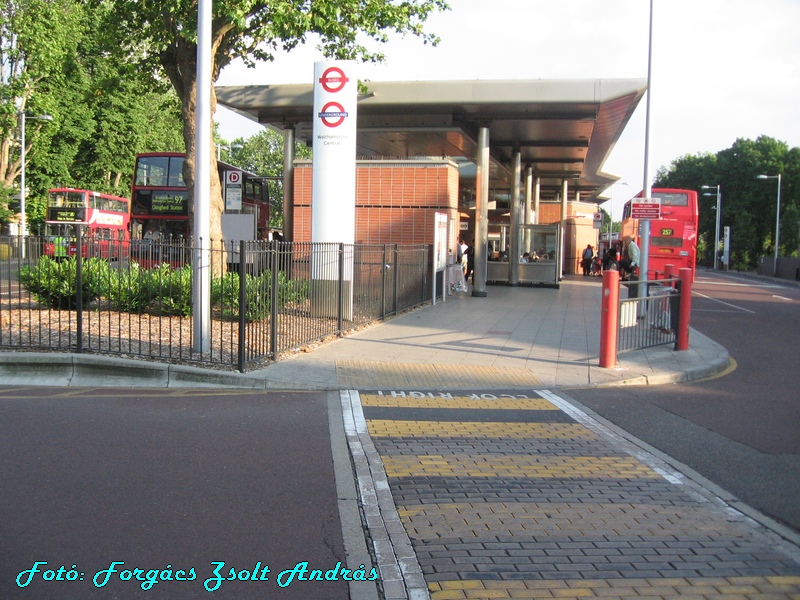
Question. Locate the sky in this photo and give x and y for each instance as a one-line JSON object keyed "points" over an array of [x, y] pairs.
{"points": [[721, 69]]}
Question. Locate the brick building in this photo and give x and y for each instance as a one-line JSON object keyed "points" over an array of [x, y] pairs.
{"points": [[396, 200]]}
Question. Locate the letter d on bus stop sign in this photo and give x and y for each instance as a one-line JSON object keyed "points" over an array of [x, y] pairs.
{"points": [[233, 190]]}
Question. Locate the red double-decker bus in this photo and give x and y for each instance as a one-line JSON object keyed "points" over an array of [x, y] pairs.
{"points": [[673, 236], [160, 198], [101, 220]]}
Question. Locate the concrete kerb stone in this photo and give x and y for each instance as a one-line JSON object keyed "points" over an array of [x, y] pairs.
{"points": [[25, 368], [704, 359], [92, 370], [186, 376], [101, 371]]}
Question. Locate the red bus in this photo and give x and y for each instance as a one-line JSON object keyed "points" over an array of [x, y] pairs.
{"points": [[673, 237], [101, 219], [160, 199]]}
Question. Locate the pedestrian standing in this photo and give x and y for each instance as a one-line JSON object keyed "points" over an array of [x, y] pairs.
{"points": [[586, 260]]}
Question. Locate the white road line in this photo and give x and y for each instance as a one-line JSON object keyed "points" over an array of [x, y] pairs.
{"points": [[721, 283], [783, 298], [752, 312]]}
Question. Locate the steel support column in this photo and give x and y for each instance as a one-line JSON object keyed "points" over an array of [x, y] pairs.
{"points": [[563, 253], [528, 208], [481, 214], [288, 184], [514, 243], [528, 196]]}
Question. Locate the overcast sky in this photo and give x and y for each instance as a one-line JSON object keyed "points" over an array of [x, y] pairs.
{"points": [[722, 69]]}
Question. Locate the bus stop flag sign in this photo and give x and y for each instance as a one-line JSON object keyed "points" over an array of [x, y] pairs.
{"points": [[646, 208]]}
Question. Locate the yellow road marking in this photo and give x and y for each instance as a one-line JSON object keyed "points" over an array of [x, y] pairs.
{"points": [[379, 428], [435, 401], [523, 465]]}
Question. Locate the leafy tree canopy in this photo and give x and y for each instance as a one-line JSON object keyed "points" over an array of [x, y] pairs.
{"points": [[749, 204], [253, 30], [61, 60], [262, 154]]}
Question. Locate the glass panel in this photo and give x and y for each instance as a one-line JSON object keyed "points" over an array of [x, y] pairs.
{"points": [[538, 245], [670, 199], [152, 170], [176, 171]]}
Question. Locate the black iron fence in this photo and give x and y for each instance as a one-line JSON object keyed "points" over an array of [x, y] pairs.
{"points": [[649, 315], [135, 299]]}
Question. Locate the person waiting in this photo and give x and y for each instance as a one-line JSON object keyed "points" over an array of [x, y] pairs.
{"points": [[586, 260]]}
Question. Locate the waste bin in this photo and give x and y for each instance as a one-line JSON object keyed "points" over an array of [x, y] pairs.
{"points": [[628, 311], [660, 307]]}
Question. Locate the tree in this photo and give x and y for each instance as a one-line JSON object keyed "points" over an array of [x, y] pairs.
{"points": [[262, 154], [748, 205], [166, 35], [61, 60], [35, 38], [133, 110]]}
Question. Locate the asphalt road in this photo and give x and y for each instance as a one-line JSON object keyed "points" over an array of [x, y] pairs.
{"points": [[102, 482], [740, 430]]}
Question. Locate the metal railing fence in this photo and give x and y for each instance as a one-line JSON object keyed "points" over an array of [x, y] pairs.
{"points": [[649, 316], [134, 299]]}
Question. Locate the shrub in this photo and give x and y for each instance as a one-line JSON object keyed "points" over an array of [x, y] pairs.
{"points": [[225, 295], [171, 290], [258, 294], [162, 290], [129, 289], [55, 283]]}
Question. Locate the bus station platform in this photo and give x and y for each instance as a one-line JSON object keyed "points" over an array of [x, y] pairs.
{"points": [[515, 338]]}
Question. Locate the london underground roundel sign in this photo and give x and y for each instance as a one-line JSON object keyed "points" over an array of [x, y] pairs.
{"points": [[333, 80], [333, 114]]}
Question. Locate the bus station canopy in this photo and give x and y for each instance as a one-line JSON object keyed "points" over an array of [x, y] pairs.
{"points": [[564, 130]]}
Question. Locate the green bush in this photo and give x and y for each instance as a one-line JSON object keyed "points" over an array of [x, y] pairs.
{"points": [[129, 289], [55, 283], [171, 290], [225, 296], [258, 294], [162, 290]]}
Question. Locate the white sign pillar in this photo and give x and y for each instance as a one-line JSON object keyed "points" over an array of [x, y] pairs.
{"points": [[333, 200]]}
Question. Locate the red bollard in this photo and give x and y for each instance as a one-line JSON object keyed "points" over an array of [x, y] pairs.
{"points": [[609, 319], [670, 273], [682, 342]]}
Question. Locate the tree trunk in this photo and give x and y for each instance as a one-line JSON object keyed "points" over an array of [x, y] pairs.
{"points": [[181, 66]]}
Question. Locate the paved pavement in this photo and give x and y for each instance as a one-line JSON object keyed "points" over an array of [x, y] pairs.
{"points": [[517, 338], [479, 478]]}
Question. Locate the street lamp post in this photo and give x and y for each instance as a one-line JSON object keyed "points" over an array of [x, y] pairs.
{"points": [[23, 223], [718, 194], [611, 208], [228, 148], [777, 220]]}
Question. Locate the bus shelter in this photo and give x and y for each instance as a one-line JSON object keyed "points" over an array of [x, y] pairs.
{"points": [[536, 261], [517, 143]]}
